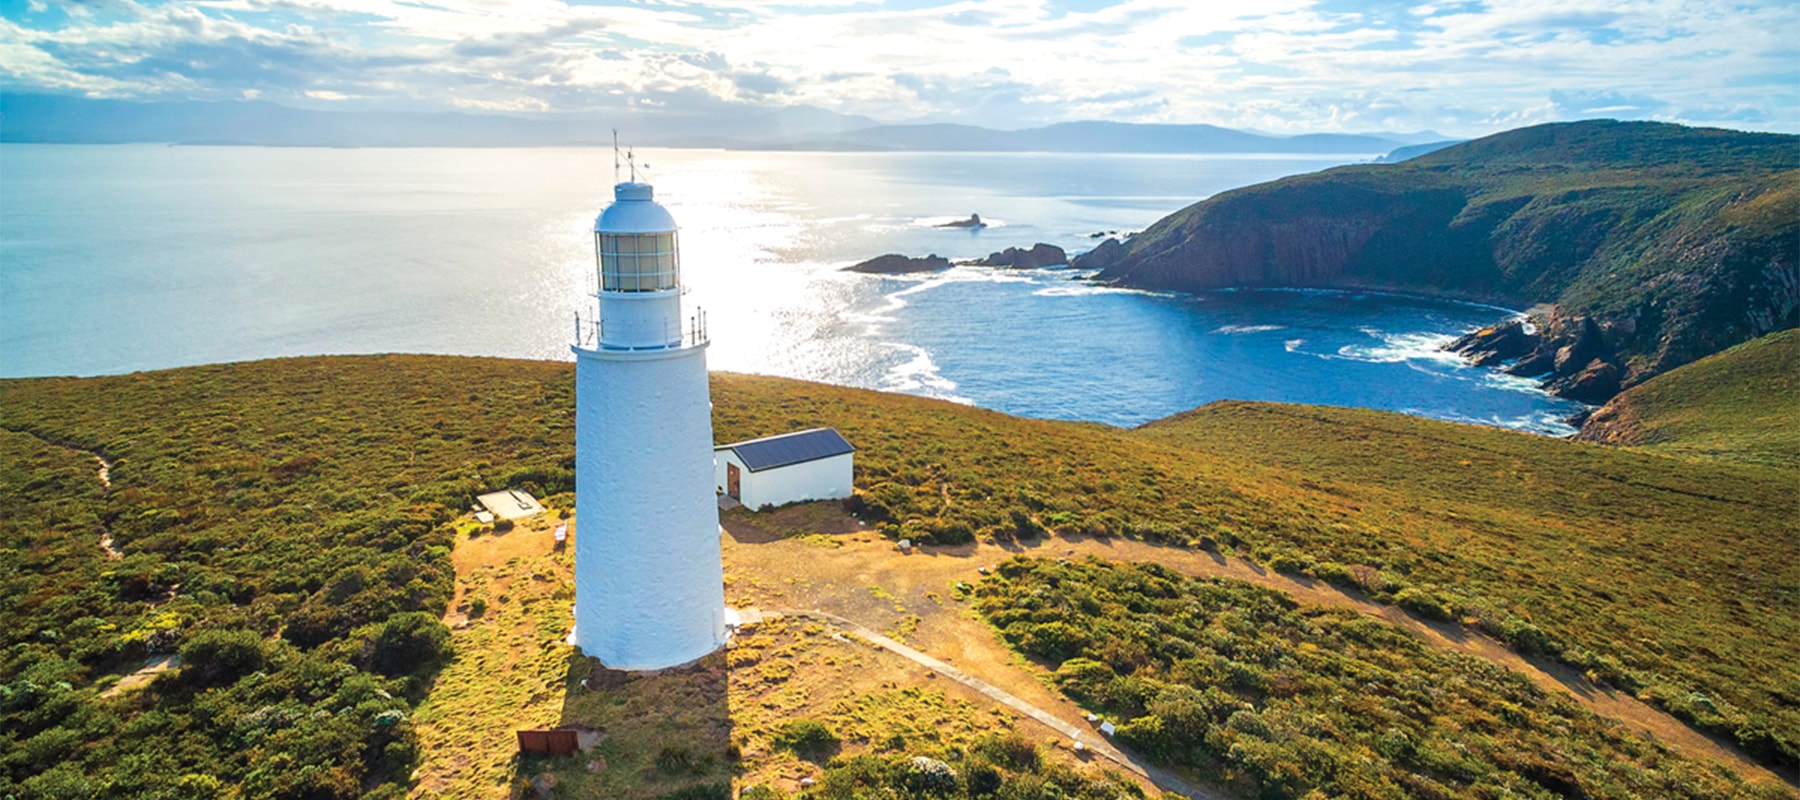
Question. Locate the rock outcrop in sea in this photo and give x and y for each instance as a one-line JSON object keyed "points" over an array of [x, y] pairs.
{"points": [[897, 264], [974, 221], [1040, 255], [1109, 252]]}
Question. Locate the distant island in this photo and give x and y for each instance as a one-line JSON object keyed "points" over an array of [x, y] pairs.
{"points": [[1639, 246]]}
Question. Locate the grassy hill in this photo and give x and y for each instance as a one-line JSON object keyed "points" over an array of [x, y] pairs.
{"points": [[1739, 405], [284, 527], [1679, 241]]}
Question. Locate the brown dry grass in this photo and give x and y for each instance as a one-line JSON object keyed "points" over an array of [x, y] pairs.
{"points": [[719, 716]]}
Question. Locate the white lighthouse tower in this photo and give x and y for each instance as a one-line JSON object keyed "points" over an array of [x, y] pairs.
{"points": [[649, 583]]}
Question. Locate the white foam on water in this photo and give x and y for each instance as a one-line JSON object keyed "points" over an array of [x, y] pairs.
{"points": [[1074, 289], [1547, 423], [1402, 347], [919, 375], [1501, 380], [893, 302], [1232, 330], [1293, 345], [970, 273]]}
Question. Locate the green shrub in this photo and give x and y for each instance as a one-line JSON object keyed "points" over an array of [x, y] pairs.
{"points": [[1009, 750], [1423, 603], [807, 738], [675, 759], [1288, 562], [408, 643], [220, 657]]}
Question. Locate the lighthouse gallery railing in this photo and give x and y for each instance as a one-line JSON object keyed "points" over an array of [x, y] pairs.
{"points": [[591, 333]]}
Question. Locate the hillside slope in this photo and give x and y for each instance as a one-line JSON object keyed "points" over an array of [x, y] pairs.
{"points": [[1742, 405], [1678, 242], [289, 505]]}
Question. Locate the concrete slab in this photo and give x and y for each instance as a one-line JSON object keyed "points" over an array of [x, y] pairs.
{"points": [[511, 504]]}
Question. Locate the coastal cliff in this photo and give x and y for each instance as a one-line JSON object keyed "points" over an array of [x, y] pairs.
{"points": [[1671, 242]]}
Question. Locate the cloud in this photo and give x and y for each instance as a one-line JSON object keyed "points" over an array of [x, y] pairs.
{"points": [[1282, 65], [515, 44], [759, 82], [1576, 104]]}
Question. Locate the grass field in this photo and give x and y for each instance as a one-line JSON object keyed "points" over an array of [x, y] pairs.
{"points": [[307, 502], [1739, 405]]}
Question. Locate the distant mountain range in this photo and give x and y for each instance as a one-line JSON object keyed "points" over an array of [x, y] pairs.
{"points": [[51, 118], [1078, 137], [61, 119]]}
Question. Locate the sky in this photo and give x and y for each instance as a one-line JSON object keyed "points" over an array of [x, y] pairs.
{"points": [[1279, 66]]}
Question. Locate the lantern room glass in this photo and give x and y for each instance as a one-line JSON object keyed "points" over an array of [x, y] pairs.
{"points": [[637, 262]]}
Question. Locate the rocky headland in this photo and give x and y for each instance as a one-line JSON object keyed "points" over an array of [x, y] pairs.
{"points": [[1569, 353], [1647, 245]]}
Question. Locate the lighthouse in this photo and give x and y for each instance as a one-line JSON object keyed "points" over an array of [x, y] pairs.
{"points": [[649, 583]]}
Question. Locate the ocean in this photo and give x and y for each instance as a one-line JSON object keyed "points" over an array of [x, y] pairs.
{"points": [[134, 257]]}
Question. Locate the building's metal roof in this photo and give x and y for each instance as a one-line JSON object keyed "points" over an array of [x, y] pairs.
{"points": [[798, 447], [634, 211]]}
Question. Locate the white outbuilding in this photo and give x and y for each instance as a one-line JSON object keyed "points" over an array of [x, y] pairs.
{"points": [[794, 467]]}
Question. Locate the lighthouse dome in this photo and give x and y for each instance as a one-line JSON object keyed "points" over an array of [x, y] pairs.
{"points": [[634, 210]]}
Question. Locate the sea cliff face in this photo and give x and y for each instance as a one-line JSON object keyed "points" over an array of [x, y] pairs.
{"points": [[1672, 242]]}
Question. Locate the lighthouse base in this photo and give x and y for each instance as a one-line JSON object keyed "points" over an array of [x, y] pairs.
{"points": [[649, 582]]}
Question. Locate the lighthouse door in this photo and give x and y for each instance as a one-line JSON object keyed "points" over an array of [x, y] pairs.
{"points": [[731, 481]]}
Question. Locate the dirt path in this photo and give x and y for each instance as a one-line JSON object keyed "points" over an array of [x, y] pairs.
{"points": [[106, 541], [862, 577], [142, 675], [1089, 738]]}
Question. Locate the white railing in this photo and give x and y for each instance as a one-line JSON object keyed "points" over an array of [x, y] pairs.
{"points": [[592, 334]]}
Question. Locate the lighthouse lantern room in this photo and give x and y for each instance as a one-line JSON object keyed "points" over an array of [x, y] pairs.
{"points": [[649, 584]]}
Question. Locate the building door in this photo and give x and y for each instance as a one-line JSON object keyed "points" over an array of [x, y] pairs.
{"points": [[731, 481]]}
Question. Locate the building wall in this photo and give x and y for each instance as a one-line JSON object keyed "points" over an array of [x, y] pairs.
{"points": [[720, 459], [649, 583], [824, 479]]}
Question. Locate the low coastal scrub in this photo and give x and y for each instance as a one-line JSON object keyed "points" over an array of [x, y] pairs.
{"points": [[305, 501], [282, 528], [1241, 684]]}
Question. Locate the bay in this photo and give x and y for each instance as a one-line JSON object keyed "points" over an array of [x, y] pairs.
{"points": [[122, 258]]}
